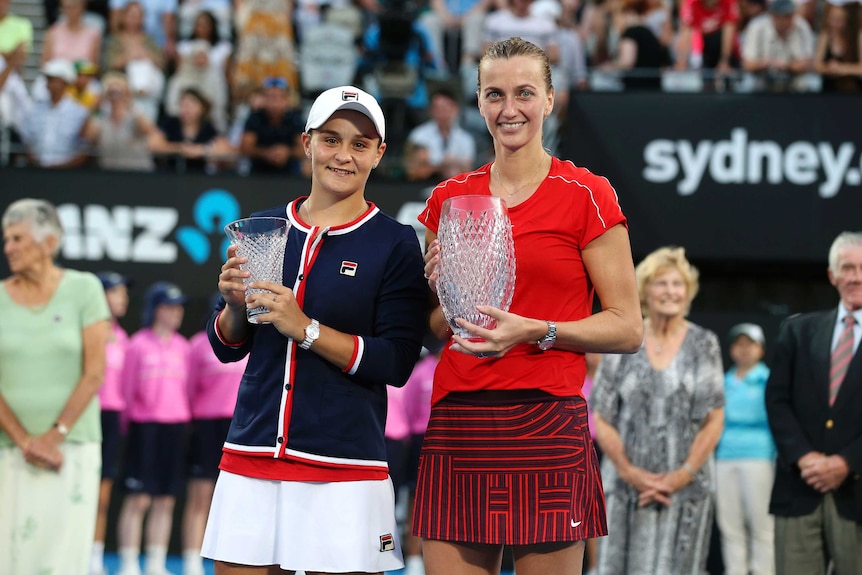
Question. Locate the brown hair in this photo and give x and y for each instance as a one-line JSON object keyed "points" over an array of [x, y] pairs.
{"points": [[511, 48]]}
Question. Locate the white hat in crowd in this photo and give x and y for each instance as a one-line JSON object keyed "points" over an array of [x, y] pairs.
{"points": [[750, 330], [57, 68], [345, 98]]}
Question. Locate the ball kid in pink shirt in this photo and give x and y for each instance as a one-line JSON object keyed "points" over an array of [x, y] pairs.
{"points": [[155, 386]]}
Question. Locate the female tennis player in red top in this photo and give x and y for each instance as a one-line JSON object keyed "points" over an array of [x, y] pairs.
{"points": [[508, 458]]}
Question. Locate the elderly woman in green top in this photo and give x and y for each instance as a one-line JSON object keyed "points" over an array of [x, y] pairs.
{"points": [[53, 332]]}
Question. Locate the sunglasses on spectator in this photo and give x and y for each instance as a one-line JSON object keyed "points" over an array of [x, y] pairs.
{"points": [[275, 82]]}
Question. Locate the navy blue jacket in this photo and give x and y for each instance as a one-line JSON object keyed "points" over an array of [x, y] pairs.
{"points": [[364, 278]]}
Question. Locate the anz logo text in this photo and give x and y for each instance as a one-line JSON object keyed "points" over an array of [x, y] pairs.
{"points": [[147, 234]]}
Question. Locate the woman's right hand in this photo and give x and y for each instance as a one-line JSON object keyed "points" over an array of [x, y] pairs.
{"points": [[230, 283], [432, 259], [41, 451]]}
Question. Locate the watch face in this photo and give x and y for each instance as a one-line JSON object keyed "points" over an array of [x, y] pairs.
{"points": [[546, 344], [312, 331]]}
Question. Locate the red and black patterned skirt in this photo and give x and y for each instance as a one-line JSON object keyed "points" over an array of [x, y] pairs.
{"points": [[512, 468]]}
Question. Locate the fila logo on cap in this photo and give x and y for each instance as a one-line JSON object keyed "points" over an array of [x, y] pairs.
{"points": [[349, 96], [348, 268]]}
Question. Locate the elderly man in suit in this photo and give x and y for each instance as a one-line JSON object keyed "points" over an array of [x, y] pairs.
{"points": [[814, 403]]}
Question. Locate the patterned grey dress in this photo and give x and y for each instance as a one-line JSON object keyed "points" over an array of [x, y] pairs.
{"points": [[657, 414]]}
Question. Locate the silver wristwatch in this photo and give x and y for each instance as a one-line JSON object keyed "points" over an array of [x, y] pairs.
{"points": [[550, 338], [312, 332]]}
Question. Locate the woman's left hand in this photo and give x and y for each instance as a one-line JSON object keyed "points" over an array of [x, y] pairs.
{"points": [[283, 311], [44, 452], [496, 342]]}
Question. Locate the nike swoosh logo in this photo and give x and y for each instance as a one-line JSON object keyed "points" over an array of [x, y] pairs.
{"points": [[575, 523]]}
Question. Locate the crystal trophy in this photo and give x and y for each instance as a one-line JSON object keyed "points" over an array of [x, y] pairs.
{"points": [[477, 260], [262, 241]]}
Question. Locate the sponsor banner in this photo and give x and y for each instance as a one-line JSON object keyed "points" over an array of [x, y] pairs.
{"points": [[760, 177]]}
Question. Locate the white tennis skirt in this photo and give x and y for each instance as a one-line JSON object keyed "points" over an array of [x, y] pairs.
{"points": [[304, 526]]}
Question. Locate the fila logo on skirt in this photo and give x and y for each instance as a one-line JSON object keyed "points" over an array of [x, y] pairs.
{"points": [[387, 543]]}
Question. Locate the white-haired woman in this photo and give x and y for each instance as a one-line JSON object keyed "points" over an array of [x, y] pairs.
{"points": [[52, 363], [659, 414]]}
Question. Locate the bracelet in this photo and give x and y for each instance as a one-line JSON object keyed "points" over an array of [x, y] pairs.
{"points": [[690, 469]]}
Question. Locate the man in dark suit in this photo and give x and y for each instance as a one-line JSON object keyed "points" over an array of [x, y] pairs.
{"points": [[814, 403]]}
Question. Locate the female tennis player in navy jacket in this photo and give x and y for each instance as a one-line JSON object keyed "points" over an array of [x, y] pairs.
{"points": [[304, 483]]}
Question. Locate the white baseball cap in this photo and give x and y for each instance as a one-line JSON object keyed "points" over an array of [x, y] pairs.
{"points": [[750, 330], [345, 98], [62, 69]]}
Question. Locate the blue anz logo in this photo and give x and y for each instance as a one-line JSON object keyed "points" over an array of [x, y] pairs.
{"points": [[213, 210]]}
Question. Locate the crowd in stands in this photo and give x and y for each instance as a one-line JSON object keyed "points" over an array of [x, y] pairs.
{"points": [[215, 85]]}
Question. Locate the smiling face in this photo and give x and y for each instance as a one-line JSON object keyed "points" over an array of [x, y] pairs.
{"points": [[847, 276], [667, 294], [514, 99], [343, 152], [22, 250]]}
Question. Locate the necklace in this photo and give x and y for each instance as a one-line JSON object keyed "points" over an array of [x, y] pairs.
{"points": [[658, 343], [522, 186]]}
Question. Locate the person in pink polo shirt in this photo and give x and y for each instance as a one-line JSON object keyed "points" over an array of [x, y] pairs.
{"points": [[155, 386], [213, 386], [112, 403]]}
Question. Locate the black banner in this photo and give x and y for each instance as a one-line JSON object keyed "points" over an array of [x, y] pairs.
{"points": [[760, 177]]}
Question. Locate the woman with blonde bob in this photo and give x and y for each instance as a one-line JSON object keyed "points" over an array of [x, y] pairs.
{"points": [[659, 414]]}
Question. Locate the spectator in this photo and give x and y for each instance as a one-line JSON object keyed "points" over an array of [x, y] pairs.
{"points": [[779, 49], [400, 56], [13, 92], [573, 51], [592, 19], [749, 10], [640, 53], [132, 51], [203, 64], [659, 415], [14, 31], [112, 405], [221, 12], [190, 140], [265, 45], [159, 22], [155, 380], [455, 27], [122, 131], [352, 15], [272, 135], [440, 148], [196, 71], [745, 460], [55, 131], [86, 90], [839, 49], [72, 38], [815, 413], [707, 36], [213, 388], [52, 363]]}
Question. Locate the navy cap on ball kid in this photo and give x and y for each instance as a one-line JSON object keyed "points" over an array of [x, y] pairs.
{"points": [[160, 293]]}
